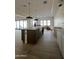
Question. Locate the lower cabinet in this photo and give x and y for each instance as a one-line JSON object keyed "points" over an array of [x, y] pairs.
{"points": [[60, 40], [33, 36]]}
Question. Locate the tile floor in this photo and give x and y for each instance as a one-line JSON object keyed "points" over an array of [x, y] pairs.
{"points": [[46, 48]]}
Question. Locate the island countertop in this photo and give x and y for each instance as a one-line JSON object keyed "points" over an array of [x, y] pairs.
{"points": [[31, 28]]}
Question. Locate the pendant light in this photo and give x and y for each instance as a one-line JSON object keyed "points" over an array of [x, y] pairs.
{"points": [[29, 17], [36, 19]]}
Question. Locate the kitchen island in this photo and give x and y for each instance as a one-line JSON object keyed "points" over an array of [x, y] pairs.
{"points": [[33, 34]]}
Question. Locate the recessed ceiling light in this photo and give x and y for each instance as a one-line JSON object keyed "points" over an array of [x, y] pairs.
{"points": [[25, 5], [60, 5], [45, 2]]}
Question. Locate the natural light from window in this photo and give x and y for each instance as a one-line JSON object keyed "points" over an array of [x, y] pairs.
{"points": [[21, 24], [45, 22]]}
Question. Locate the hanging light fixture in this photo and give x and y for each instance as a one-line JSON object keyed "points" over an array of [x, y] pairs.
{"points": [[36, 18], [29, 17]]}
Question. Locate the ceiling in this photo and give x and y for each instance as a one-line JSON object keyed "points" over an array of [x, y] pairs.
{"points": [[37, 8]]}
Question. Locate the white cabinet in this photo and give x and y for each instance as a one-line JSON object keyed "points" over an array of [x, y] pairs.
{"points": [[60, 40]]}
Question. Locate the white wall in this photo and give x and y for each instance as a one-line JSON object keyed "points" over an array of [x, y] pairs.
{"points": [[59, 18], [59, 22], [55, 6]]}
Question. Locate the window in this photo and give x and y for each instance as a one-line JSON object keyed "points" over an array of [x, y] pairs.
{"points": [[41, 22], [21, 24], [48, 22], [17, 24], [45, 22], [25, 24], [34, 22]]}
